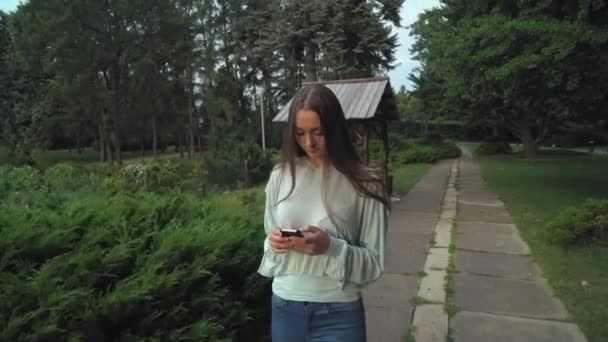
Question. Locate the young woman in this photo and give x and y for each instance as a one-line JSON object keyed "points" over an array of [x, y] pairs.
{"points": [[322, 189]]}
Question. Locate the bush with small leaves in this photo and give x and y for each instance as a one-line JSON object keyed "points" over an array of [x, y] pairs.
{"points": [[66, 177], [493, 145], [580, 225], [22, 178]]}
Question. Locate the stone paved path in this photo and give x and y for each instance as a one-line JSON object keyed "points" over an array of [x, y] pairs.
{"points": [[498, 290], [411, 226]]}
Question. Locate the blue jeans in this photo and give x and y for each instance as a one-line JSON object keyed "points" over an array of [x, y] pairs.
{"points": [[294, 321]]}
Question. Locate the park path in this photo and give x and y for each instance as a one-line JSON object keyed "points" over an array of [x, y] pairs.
{"points": [[497, 292], [411, 227]]}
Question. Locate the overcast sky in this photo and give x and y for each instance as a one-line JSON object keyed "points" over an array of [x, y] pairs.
{"points": [[409, 14]]}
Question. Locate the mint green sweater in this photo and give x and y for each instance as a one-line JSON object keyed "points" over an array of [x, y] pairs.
{"points": [[355, 257]]}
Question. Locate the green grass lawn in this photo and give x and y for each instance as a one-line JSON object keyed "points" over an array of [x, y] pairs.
{"points": [[405, 176], [534, 192]]}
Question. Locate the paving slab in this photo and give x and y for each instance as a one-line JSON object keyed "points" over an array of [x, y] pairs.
{"points": [[499, 265], [392, 291], [406, 252], [490, 237], [437, 258], [431, 323], [432, 286], [506, 296], [470, 196], [411, 225], [468, 212], [448, 214], [487, 203], [411, 222], [421, 201], [386, 324], [451, 200], [443, 233], [482, 327], [451, 206]]}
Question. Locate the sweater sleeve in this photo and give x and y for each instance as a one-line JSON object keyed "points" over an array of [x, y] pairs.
{"points": [[270, 260], [361, 264], [271, 191]]}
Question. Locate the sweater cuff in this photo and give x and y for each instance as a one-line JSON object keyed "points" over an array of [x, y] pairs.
{"points": [[335, 246]]}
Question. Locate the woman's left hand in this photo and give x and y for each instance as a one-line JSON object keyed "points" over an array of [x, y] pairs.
{"points": [[315, 241]]}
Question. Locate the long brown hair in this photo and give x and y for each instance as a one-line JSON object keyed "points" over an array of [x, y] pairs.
{"points": [[339, 153]]}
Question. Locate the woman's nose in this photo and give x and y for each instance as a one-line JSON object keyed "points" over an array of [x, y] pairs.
{"points": [[310, 140]]}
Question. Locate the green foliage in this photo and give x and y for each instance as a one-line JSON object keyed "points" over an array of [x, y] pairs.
{"points": [[23, 178], [537, 191], [493, 145], [418, 154], [6, 155], [234, 163], [123, 267], [152, 175], [477, 69], [427, 149], [46, 158], [66, 177], [110, 85], [406, 176], [578, 225]]}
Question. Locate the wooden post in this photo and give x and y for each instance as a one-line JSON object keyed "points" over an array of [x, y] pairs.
{"points": [[365, 137], [384, 135]]}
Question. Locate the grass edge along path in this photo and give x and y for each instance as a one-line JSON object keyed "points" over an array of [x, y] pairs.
{"points": [[407, 175], [534, 192]]}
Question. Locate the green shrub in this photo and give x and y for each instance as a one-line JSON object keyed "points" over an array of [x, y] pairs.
{"points": [[126, 267], [493, 145], [23, 178], [236, 165], [156, 175], [432, 139], [418, 154], [419, 150], [585, 224], [66, 177]]}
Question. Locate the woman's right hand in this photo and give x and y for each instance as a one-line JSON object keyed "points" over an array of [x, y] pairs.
{"points": [[278, 243]]}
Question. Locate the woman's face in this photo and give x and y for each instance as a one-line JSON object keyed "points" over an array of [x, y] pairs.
{"points": [[310, 135]]}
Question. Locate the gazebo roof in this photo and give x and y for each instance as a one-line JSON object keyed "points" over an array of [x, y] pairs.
{"points": [[361, 99]]}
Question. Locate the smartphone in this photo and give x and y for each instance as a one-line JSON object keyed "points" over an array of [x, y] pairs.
{"points": [[287, 232]]}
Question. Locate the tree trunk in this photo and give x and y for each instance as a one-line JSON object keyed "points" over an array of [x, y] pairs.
{"points": [[78, 147], [528, 141], [105, 140], [310, 62], [115, 81], [179, 144], [198, 138], [142, 144], [154, 138], [102, 144], [190, 120]]}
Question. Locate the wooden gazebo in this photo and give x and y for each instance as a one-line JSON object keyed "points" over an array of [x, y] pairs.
{"points": [[368, 105]]}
